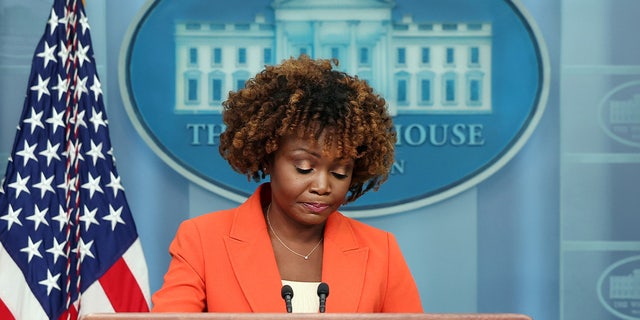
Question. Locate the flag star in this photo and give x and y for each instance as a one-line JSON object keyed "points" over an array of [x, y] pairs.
{"points": [[115, 184], [38, 217], [41, 87], [50, 282], [27, 153], [81, 54], [114, 217], [57, 250], [32, 249], [2, 185], [110, 152], [63, 53], [47, 54], [69, 17], [89, 217], [12, 217], [97, 120], [68, 185], [20, 185], [61, 218], [96, 87], [51, 152], [95, 152], [84, 22], [61, 87], [34, 120], [84, 249], [73, 151], [93, 185], [44, 185], [56, 120], [79, 119], [53, 21]]}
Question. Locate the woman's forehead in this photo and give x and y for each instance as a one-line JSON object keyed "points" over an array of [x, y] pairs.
{"points": [[325, 144]]}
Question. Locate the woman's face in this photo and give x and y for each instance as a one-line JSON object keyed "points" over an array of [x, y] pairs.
{"points": [[307, 183]]}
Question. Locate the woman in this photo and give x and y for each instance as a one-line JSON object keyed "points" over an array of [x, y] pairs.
{"points": [[324, 138]]}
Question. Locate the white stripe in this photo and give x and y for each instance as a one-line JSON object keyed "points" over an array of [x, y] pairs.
{"points": [[15, 292], [134, 257], [94, 300]]}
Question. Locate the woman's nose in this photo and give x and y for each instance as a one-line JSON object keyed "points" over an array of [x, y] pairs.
{"points": [[321, 183]]}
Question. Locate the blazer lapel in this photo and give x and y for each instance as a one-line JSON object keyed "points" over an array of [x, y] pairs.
{"points": [[344, 265], [252, 258]]}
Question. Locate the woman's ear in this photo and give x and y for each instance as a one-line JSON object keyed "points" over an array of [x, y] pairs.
{"points": [[266, 168], [267, 165]]}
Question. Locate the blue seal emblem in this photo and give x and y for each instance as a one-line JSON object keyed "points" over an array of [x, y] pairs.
{"points": [[465, 80], [620, 114], [619, 288]]}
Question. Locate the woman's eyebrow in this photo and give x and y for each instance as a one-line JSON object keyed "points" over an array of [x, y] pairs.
{"points": [[305, 150], [341, 160]]}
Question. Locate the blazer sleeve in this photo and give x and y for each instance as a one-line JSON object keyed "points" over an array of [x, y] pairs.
{"points": [[184, 287], [402, 293]]}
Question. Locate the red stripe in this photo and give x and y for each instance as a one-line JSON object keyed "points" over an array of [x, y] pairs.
{"points": [[4, 312], [71, 314], [122, 289]]}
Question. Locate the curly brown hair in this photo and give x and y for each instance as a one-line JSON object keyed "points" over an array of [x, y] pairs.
{"points": [[308, 97]]}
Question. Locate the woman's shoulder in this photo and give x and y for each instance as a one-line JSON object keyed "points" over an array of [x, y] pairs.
{"points": [[214, 216], [362, 230], [247, 215], [212, 221]]}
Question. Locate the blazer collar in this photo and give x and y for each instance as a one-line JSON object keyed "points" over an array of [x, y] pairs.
{"points": [[251, 255], [344, 264]]}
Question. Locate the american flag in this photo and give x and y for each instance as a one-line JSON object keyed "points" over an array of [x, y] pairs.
{"points": [[69, 245]]}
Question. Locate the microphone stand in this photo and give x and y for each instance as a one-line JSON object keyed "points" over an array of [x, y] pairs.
{"points": [[287, 293], [323, 293]]}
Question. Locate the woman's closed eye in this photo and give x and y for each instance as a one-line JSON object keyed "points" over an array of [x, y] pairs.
{"points": [[304, 171], [340, 176]]}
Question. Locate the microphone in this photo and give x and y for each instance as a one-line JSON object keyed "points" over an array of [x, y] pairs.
{"points": [[287, 294], [323, 293]]}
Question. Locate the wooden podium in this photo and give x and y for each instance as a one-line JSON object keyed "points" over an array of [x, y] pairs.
{"points": [[306, 316]]}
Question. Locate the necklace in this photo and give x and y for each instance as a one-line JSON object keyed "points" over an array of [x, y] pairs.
{"points": [[306, 257]]}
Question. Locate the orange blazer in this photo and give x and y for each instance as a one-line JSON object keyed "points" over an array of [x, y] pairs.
{"points": [[224, 262]]}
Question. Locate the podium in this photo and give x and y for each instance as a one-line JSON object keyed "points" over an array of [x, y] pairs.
{"points": [[305, 316]]}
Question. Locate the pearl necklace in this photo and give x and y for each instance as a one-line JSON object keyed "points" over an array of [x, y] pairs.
{"points": [[306, 257]]}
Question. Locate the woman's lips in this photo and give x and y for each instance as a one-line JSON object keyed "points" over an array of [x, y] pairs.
{"points": [[316, 207]]}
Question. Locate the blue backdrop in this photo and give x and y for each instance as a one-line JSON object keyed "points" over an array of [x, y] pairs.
{"points": [[548, 235]]}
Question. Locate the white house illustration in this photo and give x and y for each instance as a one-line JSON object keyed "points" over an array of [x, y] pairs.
{"points": [[419, 67], [626, 286], [625, 111]]}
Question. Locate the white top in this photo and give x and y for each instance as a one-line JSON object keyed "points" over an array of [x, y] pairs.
{"points": [[305, 296]]}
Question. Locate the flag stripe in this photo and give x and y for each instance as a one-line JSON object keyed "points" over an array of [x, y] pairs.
{"points": [[134, 257], [71, 313], [99, 301], [121, 288], [15, 295], [5, 313]]}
